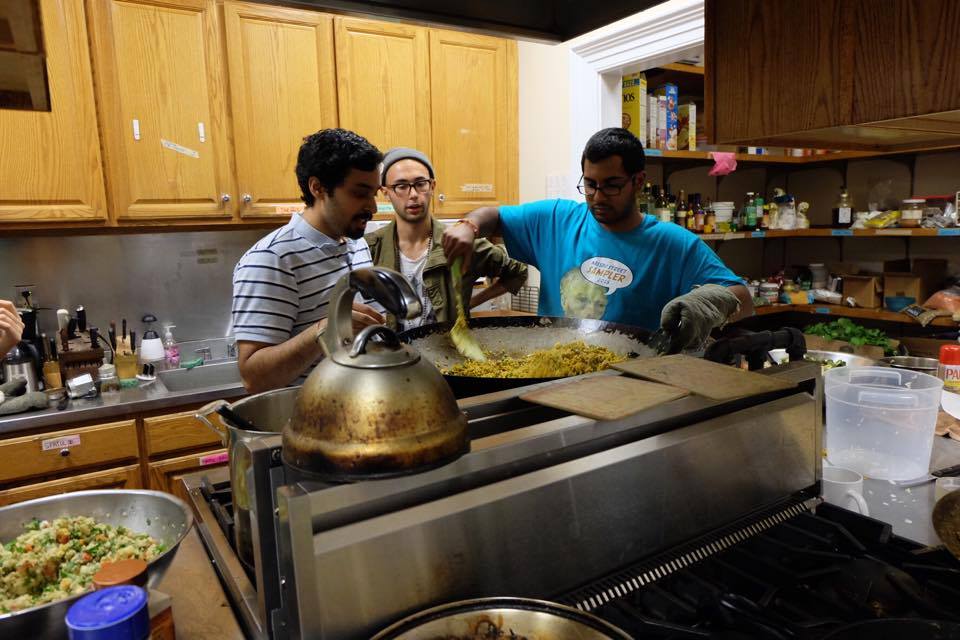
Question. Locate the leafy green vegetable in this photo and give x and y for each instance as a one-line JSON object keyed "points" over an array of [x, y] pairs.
{"points": [[849, 331]]}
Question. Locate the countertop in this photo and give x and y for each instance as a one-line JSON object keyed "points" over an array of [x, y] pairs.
{"points": [[201, 610], [148, 397]]}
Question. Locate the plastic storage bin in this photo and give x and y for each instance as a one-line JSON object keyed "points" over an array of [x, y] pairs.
{"points": [[881, 421]]}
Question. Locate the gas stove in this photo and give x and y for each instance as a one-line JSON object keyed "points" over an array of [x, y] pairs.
{"points": [[691, 520]]}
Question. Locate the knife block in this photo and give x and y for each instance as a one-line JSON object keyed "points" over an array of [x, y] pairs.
{"points": [[80, 359]]}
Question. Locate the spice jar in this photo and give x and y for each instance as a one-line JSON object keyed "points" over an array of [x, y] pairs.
{"points": [[911, 212], [108, 378], [770, 291]]}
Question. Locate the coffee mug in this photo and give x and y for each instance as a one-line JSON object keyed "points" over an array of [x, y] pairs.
{"points": [[844, 488]]}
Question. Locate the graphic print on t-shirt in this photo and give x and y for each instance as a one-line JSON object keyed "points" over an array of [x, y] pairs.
{"points": [[584, 289]]}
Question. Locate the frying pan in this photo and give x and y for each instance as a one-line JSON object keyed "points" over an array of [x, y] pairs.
{"points": [[519, 335], [946, 521]]}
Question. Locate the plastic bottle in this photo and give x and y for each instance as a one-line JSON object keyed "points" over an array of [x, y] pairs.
{"points": [[171, 351]]}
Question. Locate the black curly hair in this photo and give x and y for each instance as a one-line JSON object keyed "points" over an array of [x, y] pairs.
{"points": [[329, 155], [615, 141]]}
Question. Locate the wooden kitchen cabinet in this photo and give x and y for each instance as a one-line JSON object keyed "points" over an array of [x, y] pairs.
{"points": [[50, 166], [849, 74], [283, 88], [473, 88], [177, 432], [67, 451], [167, 475], [127, 477], [163, 113], [383, 82]]}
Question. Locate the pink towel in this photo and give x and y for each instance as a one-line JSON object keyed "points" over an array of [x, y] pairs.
{"points": [[724, 163]]}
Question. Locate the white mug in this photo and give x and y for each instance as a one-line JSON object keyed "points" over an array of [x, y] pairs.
{"points": [[844, 488]]}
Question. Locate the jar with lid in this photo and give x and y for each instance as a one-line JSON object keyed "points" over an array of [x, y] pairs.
{"points": [[108, 378], [770, 291], [911, 212]]}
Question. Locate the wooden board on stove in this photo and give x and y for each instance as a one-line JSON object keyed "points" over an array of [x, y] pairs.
{"points": [[604, 397]]}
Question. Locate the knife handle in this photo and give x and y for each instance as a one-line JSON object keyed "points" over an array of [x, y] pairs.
{"points": [[81, 319], [948, 472]]}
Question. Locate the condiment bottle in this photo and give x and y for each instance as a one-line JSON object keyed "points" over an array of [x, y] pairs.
{"points": [[950, 367], [843, 212]]}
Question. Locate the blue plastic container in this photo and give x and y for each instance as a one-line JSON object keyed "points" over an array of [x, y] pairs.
{"points": [[114, 613], [898, 303]]}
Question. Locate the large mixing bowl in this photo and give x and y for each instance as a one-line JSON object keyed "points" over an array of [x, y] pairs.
{"points": [[161, 515]]}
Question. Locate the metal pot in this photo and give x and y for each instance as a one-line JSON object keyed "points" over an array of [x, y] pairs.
{"points": [[779, 356], [253, 417], [517, 336], [520, 618], [372, 408], [913, 363]]}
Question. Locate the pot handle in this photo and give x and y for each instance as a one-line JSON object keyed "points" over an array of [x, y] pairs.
{"points": [[203, 413], [360, 340]]}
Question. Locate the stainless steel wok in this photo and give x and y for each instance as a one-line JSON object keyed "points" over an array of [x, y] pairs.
{"points": [[518, 336], [163, 516]]}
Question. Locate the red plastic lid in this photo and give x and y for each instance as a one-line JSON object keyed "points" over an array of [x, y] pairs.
{"points": [[950, 354]]}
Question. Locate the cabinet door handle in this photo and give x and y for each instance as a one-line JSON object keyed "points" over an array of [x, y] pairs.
{"points": [[136, 129], [441, 197], [64, 452], [247, 198], [225, 198], [202, 132]]}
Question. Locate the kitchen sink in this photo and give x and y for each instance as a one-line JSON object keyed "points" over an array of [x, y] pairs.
{"points": [[201, 377]]}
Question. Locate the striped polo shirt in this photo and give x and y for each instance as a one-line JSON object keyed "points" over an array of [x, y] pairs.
{"points": [[282, 285]]}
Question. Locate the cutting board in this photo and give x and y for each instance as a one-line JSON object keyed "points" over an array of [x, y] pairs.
{"points": [[702, 377], [604, 397]]}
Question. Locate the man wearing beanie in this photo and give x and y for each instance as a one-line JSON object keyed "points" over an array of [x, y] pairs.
{"points": [[411, 244]]}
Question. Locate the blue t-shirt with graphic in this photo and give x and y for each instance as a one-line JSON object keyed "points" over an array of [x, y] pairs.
{"points": [[587, 271]]}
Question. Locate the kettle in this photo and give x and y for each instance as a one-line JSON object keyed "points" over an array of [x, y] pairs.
{"points": [[372, 408]]}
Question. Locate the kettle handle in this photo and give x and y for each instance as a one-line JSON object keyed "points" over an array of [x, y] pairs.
{"points": [[386, 286], [360, 340]]}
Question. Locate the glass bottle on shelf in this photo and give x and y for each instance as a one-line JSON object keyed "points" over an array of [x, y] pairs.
{"points": [[682, 209], [651, 199], [843, 211], [643, 198], [696, 208], [749, 215], [661, 209], [758, 204]]}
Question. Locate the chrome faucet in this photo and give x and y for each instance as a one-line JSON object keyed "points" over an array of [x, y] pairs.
{"points": [[231, 348], [205, 353]]}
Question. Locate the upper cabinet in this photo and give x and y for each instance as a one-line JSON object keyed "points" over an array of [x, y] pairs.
{"points": [[163, 111], [848, 74], [473, 88], [282, 88], [50, 169]]}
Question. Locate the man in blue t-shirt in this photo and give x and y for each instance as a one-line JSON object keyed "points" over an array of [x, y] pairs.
{"points": [[604, 259]]}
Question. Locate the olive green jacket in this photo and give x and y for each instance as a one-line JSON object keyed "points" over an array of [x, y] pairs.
{"points": [[489, 260]]}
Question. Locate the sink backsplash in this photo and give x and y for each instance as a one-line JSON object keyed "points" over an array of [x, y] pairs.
{"points": [[182, 278]]}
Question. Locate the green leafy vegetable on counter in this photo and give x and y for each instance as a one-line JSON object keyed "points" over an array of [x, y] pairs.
{"points": [[849, 331]]}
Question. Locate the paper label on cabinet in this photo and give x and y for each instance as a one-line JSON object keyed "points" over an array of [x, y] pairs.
{"points": [[288, 209], [60, 443], [475, 187], [173, 146], [215, 458]]}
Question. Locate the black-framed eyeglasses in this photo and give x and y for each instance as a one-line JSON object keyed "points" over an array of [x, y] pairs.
{"points": [[606, 189], [402, 189]]}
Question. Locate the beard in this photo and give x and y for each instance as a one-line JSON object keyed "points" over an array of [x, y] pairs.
{"points": [[358, 225], [606, 214]]}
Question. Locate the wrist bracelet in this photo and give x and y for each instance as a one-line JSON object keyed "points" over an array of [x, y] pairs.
{"points": [[473, 225]]}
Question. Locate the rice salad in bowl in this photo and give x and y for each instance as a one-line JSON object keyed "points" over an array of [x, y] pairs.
{"points": [[56, 559]]}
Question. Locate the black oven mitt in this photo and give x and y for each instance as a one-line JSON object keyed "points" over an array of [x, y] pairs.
{"points": [[697, 313], [32, 400]]}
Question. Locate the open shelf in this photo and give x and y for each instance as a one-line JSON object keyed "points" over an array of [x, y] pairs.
{"points": [[849, 312]]}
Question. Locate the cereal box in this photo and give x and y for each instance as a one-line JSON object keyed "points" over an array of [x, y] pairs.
{"points": [[653, 122], [662, 122], [669, 92], [635, 105], [687, 127]]}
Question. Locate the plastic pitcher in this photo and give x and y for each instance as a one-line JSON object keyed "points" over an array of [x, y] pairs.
{"points": [[881, 421]]}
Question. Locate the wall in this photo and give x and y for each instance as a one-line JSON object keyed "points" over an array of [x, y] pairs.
{"points": [[182, 278]]}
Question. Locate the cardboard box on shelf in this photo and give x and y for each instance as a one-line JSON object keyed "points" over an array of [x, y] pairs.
{"points": [[919, 280], [671, 96], [687, 127], [865, 290], [662, 123], [635, 104]]}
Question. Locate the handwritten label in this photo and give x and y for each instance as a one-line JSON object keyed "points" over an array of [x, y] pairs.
{"points": [[173, 146], [474, 187], [948, 232], [841, 232], [384, 207], [64, 442], [287, 209], [822, 310], [759, 234], [214, 458]]}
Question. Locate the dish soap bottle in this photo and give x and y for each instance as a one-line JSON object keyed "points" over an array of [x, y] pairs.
{"points": [[171, 351]]}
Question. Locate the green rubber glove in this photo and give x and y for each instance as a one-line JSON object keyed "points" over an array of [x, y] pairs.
{"points": [[32, 400], [698, 312]]}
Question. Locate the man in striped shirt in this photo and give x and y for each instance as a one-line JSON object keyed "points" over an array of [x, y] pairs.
{"points": [[282, 285]]}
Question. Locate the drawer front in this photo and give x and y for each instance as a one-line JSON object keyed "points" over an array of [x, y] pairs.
{"points": [[117, 478], [67, 450], [178, 432], [167, 475]]}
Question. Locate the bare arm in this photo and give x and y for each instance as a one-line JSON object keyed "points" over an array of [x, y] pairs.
{"points": [[746, 302], [458, 238], [11, 327]]}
